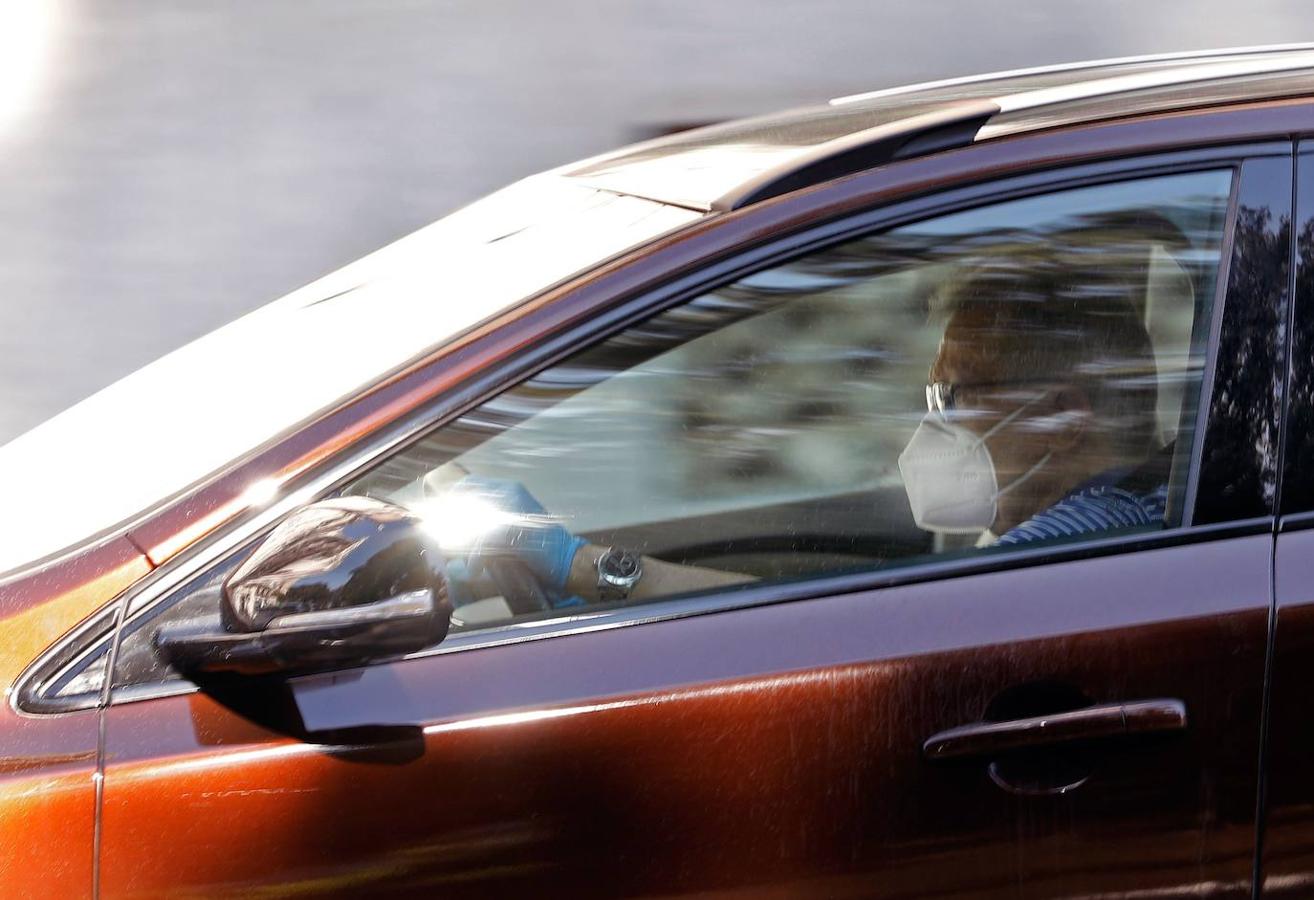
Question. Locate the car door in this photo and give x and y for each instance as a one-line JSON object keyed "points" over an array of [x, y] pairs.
{"points": [[881, 709], [1288, 836]]}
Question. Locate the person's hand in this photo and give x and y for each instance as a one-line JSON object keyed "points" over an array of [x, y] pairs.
{"points": [[505, 521]]}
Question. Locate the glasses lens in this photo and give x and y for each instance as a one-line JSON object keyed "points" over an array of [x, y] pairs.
{"points": [[939, 398]]}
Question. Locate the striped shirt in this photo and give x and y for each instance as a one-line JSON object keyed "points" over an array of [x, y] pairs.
{"points": [[1097, 505]]}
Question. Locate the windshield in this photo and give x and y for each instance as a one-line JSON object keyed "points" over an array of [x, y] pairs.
{"points": [[189, 413]]}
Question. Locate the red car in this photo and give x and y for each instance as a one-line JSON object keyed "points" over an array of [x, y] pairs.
{"points": [[907, 496]]}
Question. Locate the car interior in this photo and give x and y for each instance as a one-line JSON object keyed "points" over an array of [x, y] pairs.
{"points": [[766, 445]]}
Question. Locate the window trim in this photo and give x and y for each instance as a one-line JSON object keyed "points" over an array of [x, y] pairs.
{"points": [[1296, 513], [1209, 375], [28, 698]]}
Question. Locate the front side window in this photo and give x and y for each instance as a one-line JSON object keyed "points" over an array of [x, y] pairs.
{"points": [[1023, 374], [1002, 377]]}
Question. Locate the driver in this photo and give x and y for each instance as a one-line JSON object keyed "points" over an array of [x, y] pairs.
{"points": [[1041, 409], [1041, 423]]}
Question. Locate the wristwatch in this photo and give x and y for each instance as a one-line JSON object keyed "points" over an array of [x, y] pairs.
{"points": [[618, 572]]}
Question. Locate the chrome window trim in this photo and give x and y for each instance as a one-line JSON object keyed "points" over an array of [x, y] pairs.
{"points": [[142, 597]]}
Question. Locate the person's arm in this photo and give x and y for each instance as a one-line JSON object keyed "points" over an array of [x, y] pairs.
{"points": [[659, 578], [564, 564]]}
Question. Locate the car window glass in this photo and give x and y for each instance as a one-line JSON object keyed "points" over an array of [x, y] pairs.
{"points": [[998, 377], [1015, 375]]}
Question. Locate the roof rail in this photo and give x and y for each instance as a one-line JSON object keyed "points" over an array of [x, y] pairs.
{"points": [[1181, 56], [963, 122], [955, 125], [730, 166]]}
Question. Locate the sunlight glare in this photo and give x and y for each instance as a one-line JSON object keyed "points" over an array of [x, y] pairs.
{"points": [[259, 493], [458, 521], [27, 29]]}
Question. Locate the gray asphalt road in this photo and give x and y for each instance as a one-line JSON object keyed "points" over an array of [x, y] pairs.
{"points": [[165, 167]]}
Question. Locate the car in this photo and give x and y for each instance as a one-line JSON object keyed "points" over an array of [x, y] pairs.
{"points": [[904, 496]]}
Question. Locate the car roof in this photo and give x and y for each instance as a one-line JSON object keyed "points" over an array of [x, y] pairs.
{"points": [[738, 163]]}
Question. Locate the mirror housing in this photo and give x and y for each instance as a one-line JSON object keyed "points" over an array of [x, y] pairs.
{"points": [[337, 583]]}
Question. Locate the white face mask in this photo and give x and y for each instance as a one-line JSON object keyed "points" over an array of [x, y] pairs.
{"points": [[950, 477]]}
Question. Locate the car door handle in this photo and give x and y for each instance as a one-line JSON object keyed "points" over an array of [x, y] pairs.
{"points": [[1103, 721]]}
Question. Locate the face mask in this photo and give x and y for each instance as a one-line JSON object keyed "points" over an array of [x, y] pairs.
{"points": [[950, 477]]}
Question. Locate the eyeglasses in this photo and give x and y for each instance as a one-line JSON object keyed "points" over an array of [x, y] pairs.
{"points": [[943, 397]]}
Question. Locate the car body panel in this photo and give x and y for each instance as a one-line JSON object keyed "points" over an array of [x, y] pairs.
{"points": [[774, 748], [49, 764], [48, 808], [1288, 846]]}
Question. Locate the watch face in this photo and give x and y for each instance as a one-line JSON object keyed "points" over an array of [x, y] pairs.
{"points": [[620, 567]]}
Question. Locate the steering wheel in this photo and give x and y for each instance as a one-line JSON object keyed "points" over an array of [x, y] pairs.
{"points": [[518, 586]]}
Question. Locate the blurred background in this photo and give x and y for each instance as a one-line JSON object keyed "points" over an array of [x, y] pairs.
{"points": [[168, 166]]}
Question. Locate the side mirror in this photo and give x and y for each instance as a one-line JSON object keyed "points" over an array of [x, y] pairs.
{"points": [[337, 583]]}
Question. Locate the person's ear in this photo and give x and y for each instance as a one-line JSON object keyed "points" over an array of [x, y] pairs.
{"points": [[1070, 415]]}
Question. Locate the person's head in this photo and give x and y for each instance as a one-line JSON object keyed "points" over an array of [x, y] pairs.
{"points": [[1053, 374]]}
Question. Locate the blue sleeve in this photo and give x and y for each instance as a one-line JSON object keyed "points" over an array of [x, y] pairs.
{"points": [[1090, 511]]}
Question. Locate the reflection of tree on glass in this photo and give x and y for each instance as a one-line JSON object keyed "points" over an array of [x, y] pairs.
{"points": [[1252, 337]]}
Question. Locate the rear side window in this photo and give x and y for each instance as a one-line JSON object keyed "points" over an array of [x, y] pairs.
{"points": [[1008, 376]]}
